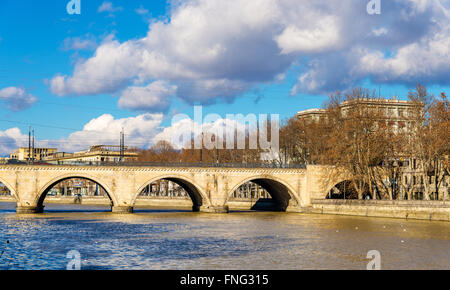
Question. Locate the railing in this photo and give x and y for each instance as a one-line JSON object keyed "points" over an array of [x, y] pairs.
{"points": [[169, 164]]}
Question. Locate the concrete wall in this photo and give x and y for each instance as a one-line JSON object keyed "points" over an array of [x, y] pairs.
{"points": [[408, 209]]}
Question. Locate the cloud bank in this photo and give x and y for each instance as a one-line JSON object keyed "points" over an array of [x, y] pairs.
{"points": [[214, 50]]}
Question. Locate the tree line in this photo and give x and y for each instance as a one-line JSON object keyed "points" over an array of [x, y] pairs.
{"points": [[387, 157]]}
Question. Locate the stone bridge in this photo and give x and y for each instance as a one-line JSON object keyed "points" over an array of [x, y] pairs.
{"points": [[210, 188]]}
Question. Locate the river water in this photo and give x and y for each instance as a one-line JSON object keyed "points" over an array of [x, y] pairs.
{"points": [[176, 239]]}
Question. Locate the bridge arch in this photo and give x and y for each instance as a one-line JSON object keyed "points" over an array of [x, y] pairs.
{"points": [[46, 188], [194, 191], [280, 191], [11, 188]]}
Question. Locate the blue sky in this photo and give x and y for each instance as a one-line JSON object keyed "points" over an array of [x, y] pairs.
{"points": [[141, 62]]}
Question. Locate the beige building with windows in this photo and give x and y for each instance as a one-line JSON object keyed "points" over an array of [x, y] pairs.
{"points": [[24, 153], [397, 112], [312, 115], [95, 154]]}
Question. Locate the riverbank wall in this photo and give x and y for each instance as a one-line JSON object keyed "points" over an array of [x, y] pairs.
{"points": [[406, 209]]}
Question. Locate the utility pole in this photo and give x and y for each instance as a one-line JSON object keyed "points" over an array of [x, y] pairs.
{"points": [[216, 138], [122, 145], [201, 150], [29, 144], [32, 150]]}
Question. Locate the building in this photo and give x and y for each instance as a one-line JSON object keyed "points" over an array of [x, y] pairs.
{"points": [[310, 115], [398, 113], [38, 154], [77, 186], [95, 154]]}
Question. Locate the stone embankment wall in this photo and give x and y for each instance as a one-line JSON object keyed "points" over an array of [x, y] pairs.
{"points": [[408, 209]]}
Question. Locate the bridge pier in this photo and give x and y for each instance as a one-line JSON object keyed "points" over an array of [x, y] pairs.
{"points": [[29, 209], [214, 209], [122, 209]]}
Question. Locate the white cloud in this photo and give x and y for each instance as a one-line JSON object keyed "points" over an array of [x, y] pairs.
{"points": [[141, 10], [80, 43], [319, 37], [16, 99], [174, 133], [108, 7], [215, 50], [112, 67], [181, 131], [10, 140], [153, 97], [209, 50], [397, 57], [379, 31], [139, 132], [426, 59]]}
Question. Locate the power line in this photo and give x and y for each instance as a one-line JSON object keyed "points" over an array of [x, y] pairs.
{"points": [[39, 125]]}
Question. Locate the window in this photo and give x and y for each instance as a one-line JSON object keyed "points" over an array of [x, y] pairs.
{"points": [[392, 112]]}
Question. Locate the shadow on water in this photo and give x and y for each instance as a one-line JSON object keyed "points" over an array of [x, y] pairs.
{"points": [[83, 208], [7, 210], [76, 208], [106, 210], [160, 210]]}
